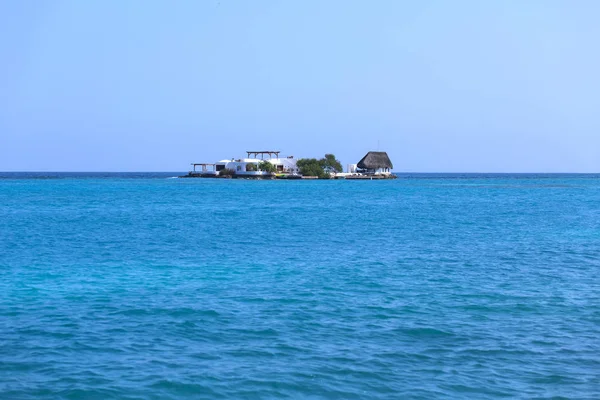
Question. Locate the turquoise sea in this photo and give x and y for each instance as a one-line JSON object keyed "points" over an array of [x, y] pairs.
{"points": [[137, 286]]}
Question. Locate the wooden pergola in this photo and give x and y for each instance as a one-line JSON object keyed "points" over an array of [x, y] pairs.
{"points": [[270, 153]]}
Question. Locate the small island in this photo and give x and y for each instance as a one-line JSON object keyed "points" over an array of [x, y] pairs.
{"points": [[268, 164]]}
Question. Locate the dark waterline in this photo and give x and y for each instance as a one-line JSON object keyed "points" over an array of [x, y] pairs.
{"points": [[405, 175]]}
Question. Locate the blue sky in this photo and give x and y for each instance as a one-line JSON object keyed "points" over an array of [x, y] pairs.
{"points": [[442, 86]]}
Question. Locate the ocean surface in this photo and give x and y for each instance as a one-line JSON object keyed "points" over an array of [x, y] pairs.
{"points": [[138, 286]]}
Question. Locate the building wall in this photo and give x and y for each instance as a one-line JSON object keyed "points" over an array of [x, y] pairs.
{"points": [[239, 166]]}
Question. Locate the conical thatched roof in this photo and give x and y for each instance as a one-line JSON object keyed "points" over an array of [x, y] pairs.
{"points": [[375, 160]]}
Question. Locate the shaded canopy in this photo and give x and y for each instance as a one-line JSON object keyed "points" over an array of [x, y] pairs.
{"points": [[375, 160]]}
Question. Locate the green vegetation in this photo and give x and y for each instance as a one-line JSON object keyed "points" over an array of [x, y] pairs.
{"points": [[311, 167], [250, 167], [330, 163], [227, 172], [322, 168], [267, 167]]}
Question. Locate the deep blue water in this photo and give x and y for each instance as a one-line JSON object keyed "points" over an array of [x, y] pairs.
{"points": [[135, 286]]}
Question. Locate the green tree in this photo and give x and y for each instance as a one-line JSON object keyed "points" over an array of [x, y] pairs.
{"points": [[250, 167], [267, 167], [331, 164], [311, 167]]}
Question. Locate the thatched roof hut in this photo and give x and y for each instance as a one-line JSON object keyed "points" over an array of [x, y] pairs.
{"points": [[375, 160]]}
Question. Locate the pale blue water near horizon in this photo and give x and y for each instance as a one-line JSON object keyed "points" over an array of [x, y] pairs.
{"points": [[136, 286]]}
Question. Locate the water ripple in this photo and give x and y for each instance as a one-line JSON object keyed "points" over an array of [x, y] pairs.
{"points": [[427, 287]]}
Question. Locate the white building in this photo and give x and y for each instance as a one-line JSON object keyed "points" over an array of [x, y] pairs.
{"points": [[250, 166]]}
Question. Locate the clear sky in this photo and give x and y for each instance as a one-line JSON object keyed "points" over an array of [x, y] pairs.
{"points": [[444, 86]]}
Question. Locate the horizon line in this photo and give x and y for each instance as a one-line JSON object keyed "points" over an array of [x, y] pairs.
{"points": [[393, 172]]}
